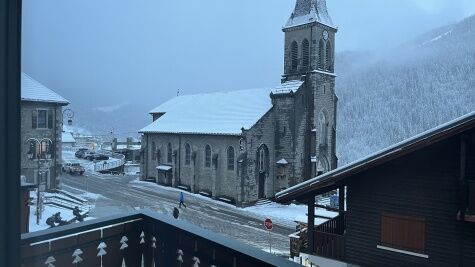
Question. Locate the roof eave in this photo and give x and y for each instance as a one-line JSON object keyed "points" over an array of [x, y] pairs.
{"points": [[334, 177]]}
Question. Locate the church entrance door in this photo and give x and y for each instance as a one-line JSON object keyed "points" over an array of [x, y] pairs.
{"points": [[262, 180]]}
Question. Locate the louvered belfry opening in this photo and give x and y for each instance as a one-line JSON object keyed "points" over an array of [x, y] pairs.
{"points": [[294, 55], [329, 64], [305, 54], [321, 55]]}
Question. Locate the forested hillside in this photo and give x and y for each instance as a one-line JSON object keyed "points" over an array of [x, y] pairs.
{"points": [[389, 96]]}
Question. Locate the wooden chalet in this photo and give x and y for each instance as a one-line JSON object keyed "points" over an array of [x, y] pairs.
{"points": [[412, 204]]}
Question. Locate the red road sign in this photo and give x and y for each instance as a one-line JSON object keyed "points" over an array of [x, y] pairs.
{"points": [[268, 224]]}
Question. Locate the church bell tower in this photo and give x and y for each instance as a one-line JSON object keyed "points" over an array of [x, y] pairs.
{"points": [[309, 56]]}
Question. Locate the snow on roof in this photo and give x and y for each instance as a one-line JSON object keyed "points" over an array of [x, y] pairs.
{"points": [[395, 150], [308, 11], [32, 90], [287, 87], [67, 138], [164, 168], [214, 113], [282, 162]]}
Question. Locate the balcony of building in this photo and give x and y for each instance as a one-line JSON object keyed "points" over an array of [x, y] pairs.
{"points": [[329, 239], [139, 239]]}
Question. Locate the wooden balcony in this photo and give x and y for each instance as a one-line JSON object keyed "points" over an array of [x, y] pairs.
{"points": [[330, 239], [139, 239]]}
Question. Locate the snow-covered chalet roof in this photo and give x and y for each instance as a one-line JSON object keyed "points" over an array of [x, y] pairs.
{"points": [[223, 113], [308, 11], [32, 90], [393, 152]]}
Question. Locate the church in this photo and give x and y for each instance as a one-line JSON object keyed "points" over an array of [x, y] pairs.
{"points": [[243, 146]]}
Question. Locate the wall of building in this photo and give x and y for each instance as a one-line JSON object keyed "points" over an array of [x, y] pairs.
{"points": [[425, 184], [29, 167], [217, 179], [262, 133]]}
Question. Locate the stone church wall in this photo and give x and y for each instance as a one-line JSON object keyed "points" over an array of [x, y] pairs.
{"points": [[217, 179]]}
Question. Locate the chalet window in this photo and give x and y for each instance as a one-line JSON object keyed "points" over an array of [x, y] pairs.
{"points": [[321, 54], [169, 153], [294, 54], [42, 119], [403, 232], [305, 54], [187, 154], [154, 151], [208, 156], [231, 158]]}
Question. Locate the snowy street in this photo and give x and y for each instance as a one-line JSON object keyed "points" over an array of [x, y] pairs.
{"points": [[118, 194]]}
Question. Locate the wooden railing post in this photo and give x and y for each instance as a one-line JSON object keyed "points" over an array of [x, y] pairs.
{"points": [[311, 224]]}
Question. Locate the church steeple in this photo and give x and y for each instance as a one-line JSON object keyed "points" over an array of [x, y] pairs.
{"points": [[309, 11]]}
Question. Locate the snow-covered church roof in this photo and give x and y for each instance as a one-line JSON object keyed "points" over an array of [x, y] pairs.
{"points": [[308, 11], [214, 113], [32, 90]]}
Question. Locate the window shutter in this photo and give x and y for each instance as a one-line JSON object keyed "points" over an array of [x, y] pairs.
{"points": [[50, 119], [34, 119]]}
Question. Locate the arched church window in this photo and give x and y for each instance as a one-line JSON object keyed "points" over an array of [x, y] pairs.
{"points": [[305, 54], [323, 129], [169, 153], [187, 154], [321, 54], [208, 156], [329, 57], [230, 158], [262, 158], [294, 55]]}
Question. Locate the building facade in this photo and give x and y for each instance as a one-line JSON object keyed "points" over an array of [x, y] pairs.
{"points": [[41, 133], [267, 140]]}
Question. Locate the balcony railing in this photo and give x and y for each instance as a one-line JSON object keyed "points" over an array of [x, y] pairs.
{"points": [[139, 239], [330, 238]]}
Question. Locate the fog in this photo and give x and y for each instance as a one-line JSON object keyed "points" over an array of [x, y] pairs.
{"points": [[109, 53]]}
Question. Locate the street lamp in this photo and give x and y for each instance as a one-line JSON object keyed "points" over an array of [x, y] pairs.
{"points": [[39, 150], [70, 115]]}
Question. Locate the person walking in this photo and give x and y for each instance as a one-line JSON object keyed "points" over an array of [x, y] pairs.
{"points": [[182, 199]]}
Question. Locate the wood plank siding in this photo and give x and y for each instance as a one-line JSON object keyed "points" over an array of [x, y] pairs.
{"points": [[423, 184]]}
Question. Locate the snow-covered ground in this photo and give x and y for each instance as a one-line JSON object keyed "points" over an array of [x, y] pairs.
{"points": [[48, 211], [285, 215]]}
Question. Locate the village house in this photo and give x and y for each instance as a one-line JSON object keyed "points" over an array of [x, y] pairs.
{"points": [[412, 204], [250, 144], [41, 133]]}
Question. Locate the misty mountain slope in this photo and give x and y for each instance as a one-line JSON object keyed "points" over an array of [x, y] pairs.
{"points": [[389, 97]]}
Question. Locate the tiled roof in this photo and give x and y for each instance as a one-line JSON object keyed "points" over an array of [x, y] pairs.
{"points": [[32, 90]]}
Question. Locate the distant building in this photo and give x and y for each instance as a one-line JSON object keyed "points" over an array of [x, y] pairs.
{"points": [[67, 140], [130, 148], [41, 133], [412, 204], [250, 144]]}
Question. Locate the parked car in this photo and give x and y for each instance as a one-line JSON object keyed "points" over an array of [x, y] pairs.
{"points": [[80, 153], [100, 157], [89, 155], [73, 168]]}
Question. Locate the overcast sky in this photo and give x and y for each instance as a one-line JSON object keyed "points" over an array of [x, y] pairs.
{"points": [[112, 52]]}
